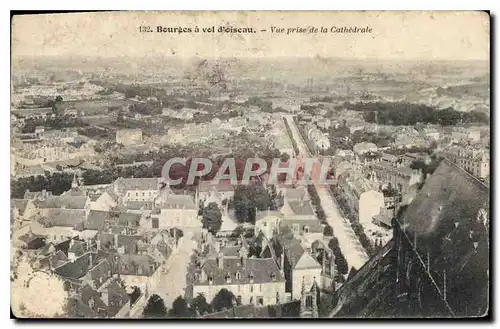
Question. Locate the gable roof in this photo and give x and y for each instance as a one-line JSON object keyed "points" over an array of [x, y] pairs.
{"points": [[68, 202], [20, 204], [261, 269], [65, 217], [96, 219], [301, 208], [306, 261], [136, 184]]}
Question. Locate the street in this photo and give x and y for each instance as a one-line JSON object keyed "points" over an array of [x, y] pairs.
{"points": [[353, 252]]}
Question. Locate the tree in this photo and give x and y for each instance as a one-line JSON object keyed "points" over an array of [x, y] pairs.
{"points": [[341, 263], [328, 231], [200, 306], [247, 198], [155, 308], [135, 294], [212, 217], [179, 309], [223, 300]]}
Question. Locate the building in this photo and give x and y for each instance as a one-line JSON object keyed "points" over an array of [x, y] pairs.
{"points": [[129, 136], [400, 177], [174, 210], [476, 162], [438, 262], [255, 281], [361, 195], [299, 267]]}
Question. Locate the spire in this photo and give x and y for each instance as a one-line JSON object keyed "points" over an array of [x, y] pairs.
{"points": [[74, 183]]}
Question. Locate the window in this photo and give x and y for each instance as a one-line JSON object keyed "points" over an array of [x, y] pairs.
{"points": [[238, 276], [296, 228], [306, 229], [277, 298], [155, 223], [228, 278], [136, 193], [238, 300], [143, 193], [309, 301], [273, 276], [210, 280], [251, 300], [251, 288], [251, 277], [260, 301], [260, 288]]}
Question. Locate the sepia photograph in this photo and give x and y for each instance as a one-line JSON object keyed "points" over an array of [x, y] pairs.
{"points": [[250, 165]]}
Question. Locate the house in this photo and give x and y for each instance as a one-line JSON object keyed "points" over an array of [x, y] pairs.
{"points": [[299, 267], [255, 281], [475, 161], [361, 195], [173, 210]]}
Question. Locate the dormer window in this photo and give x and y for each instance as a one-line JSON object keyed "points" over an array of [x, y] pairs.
{"points": [[273, 276], [251, 277], [210, 280], [238, 276], [228, 278]]}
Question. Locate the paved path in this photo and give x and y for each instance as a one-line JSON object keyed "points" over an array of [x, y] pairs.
{"points": [[173, 281], [353, 252]]}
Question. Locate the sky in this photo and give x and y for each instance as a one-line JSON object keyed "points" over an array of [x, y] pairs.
{"points": [[396, 35]]}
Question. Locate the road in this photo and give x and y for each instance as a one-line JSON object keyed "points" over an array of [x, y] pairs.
{"points": [[353, 252], [173, 281]]}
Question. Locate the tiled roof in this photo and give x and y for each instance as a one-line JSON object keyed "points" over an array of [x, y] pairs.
{"points": [[141, 265], [96, 219], [68, 202], [128, 219], [66, 217], [34, 195], [77, 268], [302, 208], [298, 193], [261, 269], [138, 205], [140, 184], [77, 247], [178, 201], [117, 298], [20, 204]]}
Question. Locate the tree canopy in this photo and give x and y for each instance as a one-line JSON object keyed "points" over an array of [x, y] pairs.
{"points": [[155, 308], [223, 300], [211, 217]]}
